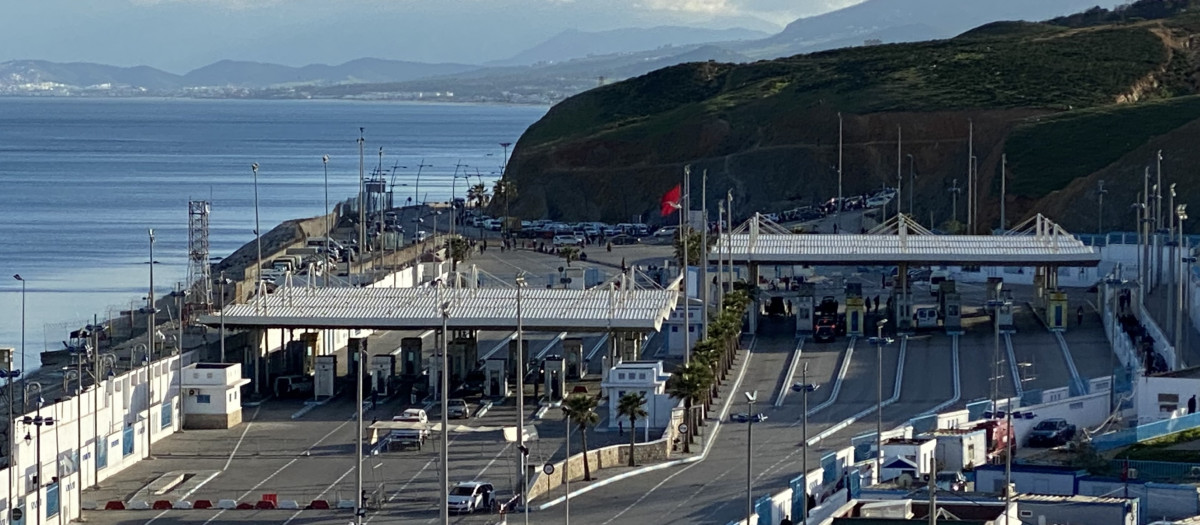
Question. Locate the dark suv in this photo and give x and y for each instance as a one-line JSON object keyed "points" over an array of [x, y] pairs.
{"points": [[1051, 433]]}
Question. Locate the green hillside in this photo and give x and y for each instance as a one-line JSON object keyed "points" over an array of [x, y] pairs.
{"points": [[1063, 100]]}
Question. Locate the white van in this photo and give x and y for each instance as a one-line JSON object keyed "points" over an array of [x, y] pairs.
{"points": [[925, 318]]}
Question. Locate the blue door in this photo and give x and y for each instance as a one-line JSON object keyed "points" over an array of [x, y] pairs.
{"points": [[167, 412], [127, 441], [101, 453], [52, 500]]}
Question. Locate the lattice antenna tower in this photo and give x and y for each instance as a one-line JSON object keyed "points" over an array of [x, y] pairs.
{"points": [[200, 297]]}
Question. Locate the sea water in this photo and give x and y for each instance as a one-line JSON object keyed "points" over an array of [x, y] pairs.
{"points": [[82, 180]]}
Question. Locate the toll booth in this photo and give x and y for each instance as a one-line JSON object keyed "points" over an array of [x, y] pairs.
{"points": [[513, 362], [573, 355], [1004, 317], [311, 341], [464, 355], [945, 288], [411, 359], [1056, 311], [855, 316], [855, 310], [383, 367], [994, 289], [495, 383], [629, 347], [803, 308], [951, 311], [324, 376], [555, 377]]}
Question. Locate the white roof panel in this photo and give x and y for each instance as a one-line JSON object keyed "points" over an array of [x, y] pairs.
{"points": [[1011, 250], [469, 308]]}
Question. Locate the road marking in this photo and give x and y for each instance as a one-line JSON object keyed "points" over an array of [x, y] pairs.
{"points": [[493, 461], [696, 493], [322, 494], [215, 516], [649, 492], [797, 353], [232, 453]]}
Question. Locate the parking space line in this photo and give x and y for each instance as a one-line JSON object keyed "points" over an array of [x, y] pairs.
{"points": [[322, 494], [239, 441], [493, 461]]}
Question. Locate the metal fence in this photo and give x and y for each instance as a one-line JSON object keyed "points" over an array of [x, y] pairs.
{"points": [[1140, 433], [1162, 471]]}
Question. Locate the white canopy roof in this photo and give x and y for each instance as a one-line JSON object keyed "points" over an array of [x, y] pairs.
{"points": [[1044, 243], [467, 308]]}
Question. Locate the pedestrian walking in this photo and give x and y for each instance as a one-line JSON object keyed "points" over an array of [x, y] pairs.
{"points": [[620, 428], [1079, 316]]}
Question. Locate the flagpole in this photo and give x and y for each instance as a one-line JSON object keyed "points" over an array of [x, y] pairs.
{"points": [[684, 204], [704, 284]]}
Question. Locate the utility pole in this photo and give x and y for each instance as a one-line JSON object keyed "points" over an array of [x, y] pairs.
{"points": [[954, 190], [933, 492], [1100, 215], [684, 204], [838, 213], [1003, 190], [1158, 219], [899, 174], [971, 204], [362, 210], [704, 284]]}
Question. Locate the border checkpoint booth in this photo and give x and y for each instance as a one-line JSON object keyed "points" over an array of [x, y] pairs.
{"points": [[1036, 242]]}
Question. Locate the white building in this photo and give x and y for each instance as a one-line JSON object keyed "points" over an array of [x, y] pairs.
{"points": [[647, 378], [1168, 395], [673, 329], [917, 452], [959, 449], [212, 395]]}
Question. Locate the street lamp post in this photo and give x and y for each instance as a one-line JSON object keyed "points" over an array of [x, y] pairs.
{"points": [[805, 388], [504, 168], [22, 279], [566, 476], [10, 427], [751, 397], [179, 294], [1100, 215], [838, 213], [912, 184], [328, 230], [1181, 214], [879, 341], [443, 387], [520, 361], [150, 315], [38, 421], [224, 282]]}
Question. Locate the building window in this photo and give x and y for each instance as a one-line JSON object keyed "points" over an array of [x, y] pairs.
{"points": [[691, 328], [642, 376], [621, 375], [674, 329], [1168, 402], [620, 394], [203, 398]]}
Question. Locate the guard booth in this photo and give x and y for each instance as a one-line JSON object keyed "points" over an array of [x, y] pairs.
{"points": [[324, 376], [803, 308], [464, 355], [411, 359], [383, 367], [1056, 311], [513, 362], [1004, 317], [995, 289], [555, 377], [629, 346], [951, 311], [855, 310], [573, 355], [311, 342], [495, 383]]}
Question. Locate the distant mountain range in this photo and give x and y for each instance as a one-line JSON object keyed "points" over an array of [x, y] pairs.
{"points": [[565, 64]]}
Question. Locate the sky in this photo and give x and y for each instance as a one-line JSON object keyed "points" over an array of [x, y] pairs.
{"points": [[181, 35]]}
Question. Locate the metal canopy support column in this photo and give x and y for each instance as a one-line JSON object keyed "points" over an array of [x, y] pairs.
{"points": [[901, 299], [753, 282]]}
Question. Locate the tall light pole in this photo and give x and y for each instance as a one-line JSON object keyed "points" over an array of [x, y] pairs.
{"points": [[972, 203], [954, 191], [417, 188], [257, 237], [179, 294], [1100, 215], [839, 201], [805, 388], [879, 341], [443, 387], [566, 475], [22, 279], [1181, 213], [899, 175], [38, 421], [328, 230], [359, 509], [912, 185], [6, 359], [362, 204], [751, 397], [1003, 190], [1158, 219], [150, 314], [224, 282], [504, 167], [520, 362]]}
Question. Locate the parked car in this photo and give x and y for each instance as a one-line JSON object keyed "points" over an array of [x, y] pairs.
{"points": [[1051, 433], [471, 496], [457, 408], [566, 240], [825, 330], [951, 480], [666, 231], [743, 417], [622, 239]]}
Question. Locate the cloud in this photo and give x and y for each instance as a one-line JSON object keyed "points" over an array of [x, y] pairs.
{"points": [[708, 7]]}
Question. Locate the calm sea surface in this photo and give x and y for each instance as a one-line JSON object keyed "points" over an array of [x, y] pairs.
{"points": [[81, 180]]}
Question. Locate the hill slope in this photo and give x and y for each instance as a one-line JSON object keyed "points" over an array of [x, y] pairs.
{"points": [[769, 130]]}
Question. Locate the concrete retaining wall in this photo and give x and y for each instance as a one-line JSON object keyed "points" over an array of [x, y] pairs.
{"points": [[610, 456]]}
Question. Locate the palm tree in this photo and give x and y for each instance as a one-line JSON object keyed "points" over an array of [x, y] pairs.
{"points": [[689, 381], [581, 409], [630, 405], [479, 194], [506, 189], [570, 253]]}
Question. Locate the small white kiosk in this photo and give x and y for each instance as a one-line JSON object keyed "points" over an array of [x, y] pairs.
{"points": [[213, 395]]}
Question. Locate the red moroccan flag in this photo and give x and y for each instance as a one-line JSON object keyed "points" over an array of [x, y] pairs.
{"points": [[670, 200]]}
